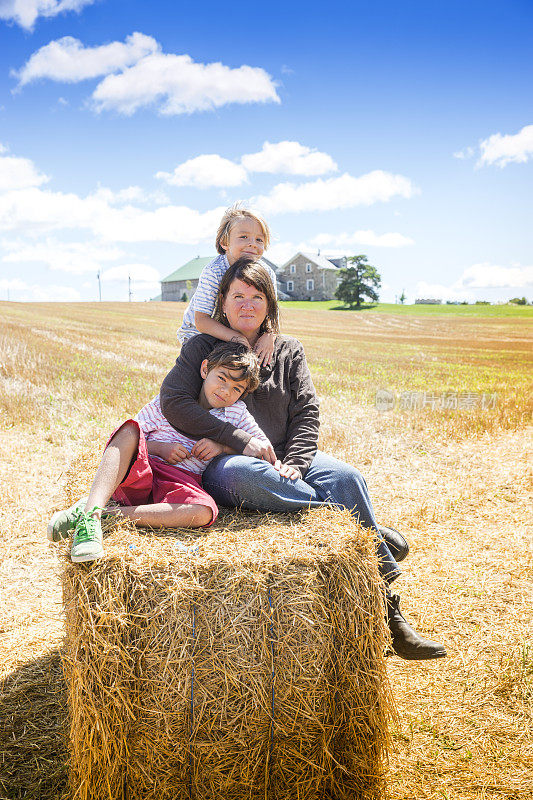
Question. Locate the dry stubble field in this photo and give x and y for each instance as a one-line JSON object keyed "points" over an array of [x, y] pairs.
{"points": [[456, 482]]}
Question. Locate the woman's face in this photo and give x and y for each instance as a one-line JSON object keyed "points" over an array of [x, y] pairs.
{"points": [[245, 308]]}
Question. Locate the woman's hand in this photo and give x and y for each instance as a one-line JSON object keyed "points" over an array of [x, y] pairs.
{"points": [[171, 452], [206, 449], [286, 471], [256, 448], [264, 348]]}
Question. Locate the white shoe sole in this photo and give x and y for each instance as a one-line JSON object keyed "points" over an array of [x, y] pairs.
{"points": [[50, 528], [87, 557]]}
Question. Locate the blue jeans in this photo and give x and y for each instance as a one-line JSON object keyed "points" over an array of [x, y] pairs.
{"points": [[236, 481]]}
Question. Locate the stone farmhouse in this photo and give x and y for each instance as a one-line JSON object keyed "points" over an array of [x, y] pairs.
{"points": [[181, 284], [310, 276]]}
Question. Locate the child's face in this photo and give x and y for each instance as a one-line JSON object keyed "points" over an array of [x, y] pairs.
{"points": [[245, 238], [222, 387]]}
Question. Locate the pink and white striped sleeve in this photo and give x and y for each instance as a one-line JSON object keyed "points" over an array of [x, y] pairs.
{"points": [[150, 417], [245, 421]]}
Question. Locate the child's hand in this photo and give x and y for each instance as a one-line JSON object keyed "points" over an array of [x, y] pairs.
{"points": [[286, 471], [171, 452], [206, 449], [264, 348], [238, 337]]}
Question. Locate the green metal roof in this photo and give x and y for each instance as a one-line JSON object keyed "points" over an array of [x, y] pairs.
{"points": [[189, 271]]}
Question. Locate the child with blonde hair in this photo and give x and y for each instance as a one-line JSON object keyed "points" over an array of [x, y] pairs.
{"points": [[241, 233]]}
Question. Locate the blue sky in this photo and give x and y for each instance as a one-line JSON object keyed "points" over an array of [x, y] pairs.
{"points": [[403, 131]]}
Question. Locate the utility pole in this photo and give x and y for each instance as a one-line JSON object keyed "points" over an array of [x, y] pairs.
{"points": [[99, 287], [129, 287]]}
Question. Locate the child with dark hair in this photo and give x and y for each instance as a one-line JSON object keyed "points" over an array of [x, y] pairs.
{"points": [[152, 472]]}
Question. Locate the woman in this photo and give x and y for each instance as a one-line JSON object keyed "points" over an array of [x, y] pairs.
{"points": [[285, 407]]}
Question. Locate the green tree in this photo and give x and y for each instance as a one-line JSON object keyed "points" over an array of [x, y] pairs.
{"points": [[519, 301], [402, 297], [359, 281]]}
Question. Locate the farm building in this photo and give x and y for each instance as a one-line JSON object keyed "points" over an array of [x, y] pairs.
{"points": [[181, 284], [308, 276]]}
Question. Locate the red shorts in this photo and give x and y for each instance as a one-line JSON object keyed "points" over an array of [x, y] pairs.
{"points": [[150, 480]]}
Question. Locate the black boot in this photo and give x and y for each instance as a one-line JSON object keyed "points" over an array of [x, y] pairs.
{"points": [[406, 642], [395, 541]]}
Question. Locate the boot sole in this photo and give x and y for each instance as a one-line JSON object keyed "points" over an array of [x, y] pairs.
{"points": [[437, 654]]}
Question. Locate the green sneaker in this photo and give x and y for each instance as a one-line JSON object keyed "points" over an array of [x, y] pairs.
{"points": [[87, 539], [63, 522]]}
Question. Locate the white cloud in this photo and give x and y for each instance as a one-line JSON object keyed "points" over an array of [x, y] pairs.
{"points": [[143, 277], [139, 75], [333, 193], [26, 12], [280, 252], [130, 194], [365, 238], [178, 85], [335, 245], [35, 211], [438, 291], [74, 257], [466, 152], [67, 60], [26, 292], [292, 158], [12, 283], [479, 276], [212, 170], [205, 171], [486, 275], [503, 150], [142, 273], [18, 173]]}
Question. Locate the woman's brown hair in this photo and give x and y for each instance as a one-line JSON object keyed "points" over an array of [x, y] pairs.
{"points": [[253, 274]]}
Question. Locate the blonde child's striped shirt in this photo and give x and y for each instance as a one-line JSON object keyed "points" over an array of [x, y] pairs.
{"points": [[205, 296]]}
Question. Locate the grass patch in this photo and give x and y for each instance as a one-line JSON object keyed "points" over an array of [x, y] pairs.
{"points": [[516, 312]]}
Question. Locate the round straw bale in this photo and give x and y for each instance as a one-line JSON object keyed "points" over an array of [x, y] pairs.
{"points": [[249, 665]]}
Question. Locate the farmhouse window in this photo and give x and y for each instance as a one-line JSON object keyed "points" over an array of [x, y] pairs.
{"points": [[290, 286], [308, 267], [293, 269], [310, 285]]}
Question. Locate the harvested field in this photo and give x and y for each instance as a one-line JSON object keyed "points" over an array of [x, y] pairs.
{"points": [[457, 483]]}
